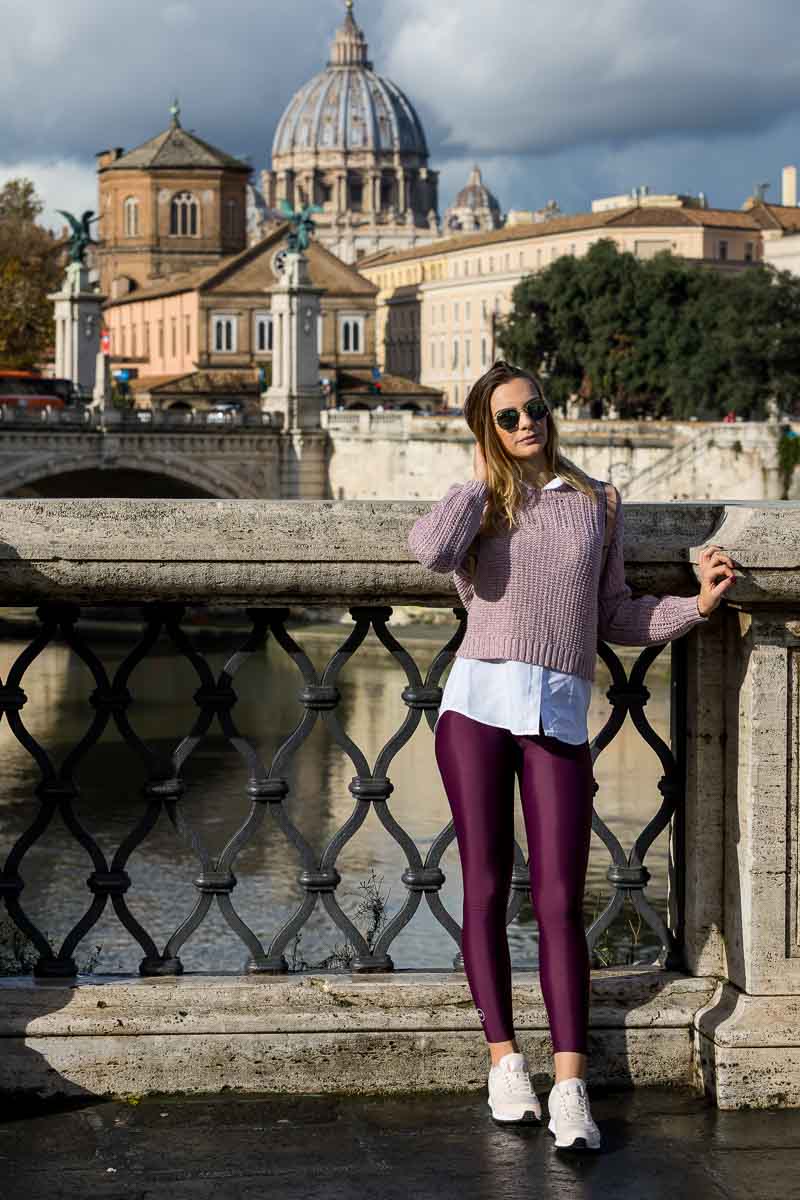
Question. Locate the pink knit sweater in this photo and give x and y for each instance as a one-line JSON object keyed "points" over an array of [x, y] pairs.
{"points": [[538, 595]]}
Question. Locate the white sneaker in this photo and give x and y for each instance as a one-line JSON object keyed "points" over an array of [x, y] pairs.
{"points": [[571, 1120], [511, 1095]]}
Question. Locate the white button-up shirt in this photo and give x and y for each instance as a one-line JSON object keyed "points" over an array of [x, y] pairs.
{"points": [[518, 695]]}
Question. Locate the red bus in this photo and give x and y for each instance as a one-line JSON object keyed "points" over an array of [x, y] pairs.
{"points": [[27, 390]]}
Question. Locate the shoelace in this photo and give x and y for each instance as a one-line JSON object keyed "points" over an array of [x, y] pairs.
{"points": [[575, 1103], [517, 1081]]}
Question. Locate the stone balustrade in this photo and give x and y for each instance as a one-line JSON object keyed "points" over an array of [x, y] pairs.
{"points": [[720, 1007], [85, 418]]}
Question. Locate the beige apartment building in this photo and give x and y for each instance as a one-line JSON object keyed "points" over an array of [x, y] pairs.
{"points": [[437, 305]]}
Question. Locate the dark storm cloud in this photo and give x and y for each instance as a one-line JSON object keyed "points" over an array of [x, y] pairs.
{"points": [[94, 75], [522, 78], [691, 93]]}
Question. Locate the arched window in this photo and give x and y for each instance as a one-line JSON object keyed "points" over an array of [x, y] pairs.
{"points": [[264, 333], [223, 333], [351, 334], [130, 217], [183, 215]]}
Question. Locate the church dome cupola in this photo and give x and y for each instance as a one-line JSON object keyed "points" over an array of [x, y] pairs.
{"points": [[348, 107], [351, 141], [475, 208]]}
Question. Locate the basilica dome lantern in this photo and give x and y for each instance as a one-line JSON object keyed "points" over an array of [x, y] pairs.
{"points": [[351, 141]]}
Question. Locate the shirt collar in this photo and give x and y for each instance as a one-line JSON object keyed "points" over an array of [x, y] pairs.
{"points": [[554, 483]]}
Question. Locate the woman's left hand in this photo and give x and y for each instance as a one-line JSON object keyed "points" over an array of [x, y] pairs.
{"points": [[716, 578]]}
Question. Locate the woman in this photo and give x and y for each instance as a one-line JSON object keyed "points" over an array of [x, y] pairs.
{"points": [[530, 573]]}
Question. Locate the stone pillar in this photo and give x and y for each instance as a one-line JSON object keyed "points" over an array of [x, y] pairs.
{"points": [[401, 190], [371, 193], [295, 391], [78, 320], [745, 798], [704, 759]]}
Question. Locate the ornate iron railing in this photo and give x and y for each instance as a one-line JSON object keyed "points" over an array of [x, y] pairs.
{"points": [[268, 791]]}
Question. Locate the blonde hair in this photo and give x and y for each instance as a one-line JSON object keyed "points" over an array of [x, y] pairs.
{"points": [[504, 474]]}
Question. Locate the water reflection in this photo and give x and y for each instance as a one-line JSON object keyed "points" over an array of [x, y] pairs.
{"points": [[111, 776]]}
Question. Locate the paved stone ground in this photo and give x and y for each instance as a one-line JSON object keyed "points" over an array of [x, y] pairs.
{"points": [[659, 1144]]}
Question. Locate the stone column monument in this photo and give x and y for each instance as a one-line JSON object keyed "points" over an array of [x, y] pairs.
{"points": [[295, 391], [78, 313]]}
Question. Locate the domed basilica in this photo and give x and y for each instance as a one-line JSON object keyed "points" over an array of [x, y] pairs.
{"points": [[351, 141]]}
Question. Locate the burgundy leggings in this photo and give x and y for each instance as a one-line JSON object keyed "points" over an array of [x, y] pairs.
{"points": [[478, 763]]}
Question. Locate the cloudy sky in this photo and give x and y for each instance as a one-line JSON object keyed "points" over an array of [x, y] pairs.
{"points": [[557, 99]]}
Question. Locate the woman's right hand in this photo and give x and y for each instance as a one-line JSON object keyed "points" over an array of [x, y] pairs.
{"points": [[479, 469]]}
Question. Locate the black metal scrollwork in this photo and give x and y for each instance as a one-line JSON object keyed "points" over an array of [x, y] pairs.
{"points": [[268, 791]]}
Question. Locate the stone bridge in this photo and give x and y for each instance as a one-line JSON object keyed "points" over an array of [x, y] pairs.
{"points": [[174, 460], [364, 456]]}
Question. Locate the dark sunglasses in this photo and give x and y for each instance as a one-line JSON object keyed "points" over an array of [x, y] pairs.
{"points": [[508, 418]]}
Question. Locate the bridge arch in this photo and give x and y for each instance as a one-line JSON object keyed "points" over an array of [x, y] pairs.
{"points": [[68, 475]]}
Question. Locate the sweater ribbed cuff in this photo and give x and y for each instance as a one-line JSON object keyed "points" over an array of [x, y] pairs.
{"points": [[466, 504], [689, 610]]}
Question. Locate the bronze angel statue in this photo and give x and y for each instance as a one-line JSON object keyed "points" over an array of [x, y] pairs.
{"points": [[301, 222], [81, 234]]}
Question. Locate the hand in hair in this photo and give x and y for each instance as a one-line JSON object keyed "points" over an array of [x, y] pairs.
{"points": [[479, 469]]}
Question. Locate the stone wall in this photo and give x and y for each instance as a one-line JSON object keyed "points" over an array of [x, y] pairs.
{"points": [[401, 456]]}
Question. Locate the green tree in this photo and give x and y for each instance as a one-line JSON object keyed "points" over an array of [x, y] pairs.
{"points": [[660, 336], [29, 270], [19, 202]]}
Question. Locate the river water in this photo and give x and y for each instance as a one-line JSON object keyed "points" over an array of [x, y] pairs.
{"points": [[162, 895]]}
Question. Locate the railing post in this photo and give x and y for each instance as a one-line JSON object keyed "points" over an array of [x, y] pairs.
{"points": [[703, 763], [748, 1037]]}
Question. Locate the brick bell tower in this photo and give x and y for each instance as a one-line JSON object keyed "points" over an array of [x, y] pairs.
{"points": [[171, 205]]}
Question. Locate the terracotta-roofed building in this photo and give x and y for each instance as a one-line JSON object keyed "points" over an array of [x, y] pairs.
{"points": [[197, 389], [780, 233], [172, 204], [438, 304], [356, 389], [219, 317], [199, 336]]}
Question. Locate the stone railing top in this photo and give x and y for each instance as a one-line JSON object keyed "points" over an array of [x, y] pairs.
{"points": [[452, 427], [341, 552], [137, 420]]}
